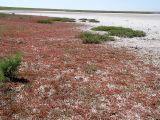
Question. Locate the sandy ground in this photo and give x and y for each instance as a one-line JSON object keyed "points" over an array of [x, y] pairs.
{"points": [[148, 47]]}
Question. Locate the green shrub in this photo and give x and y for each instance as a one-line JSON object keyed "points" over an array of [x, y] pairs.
{"points": [[88, 37], [9, 67], [47, 21], [120, 31]]}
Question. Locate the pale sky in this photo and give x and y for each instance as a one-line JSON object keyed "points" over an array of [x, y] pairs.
{"points": [[124, 5]]}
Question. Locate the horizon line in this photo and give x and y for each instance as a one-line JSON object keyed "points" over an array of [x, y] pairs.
{"points": [[79, 10]]}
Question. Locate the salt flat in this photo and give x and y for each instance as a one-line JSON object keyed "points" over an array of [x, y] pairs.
{"points": [[147, 47]]}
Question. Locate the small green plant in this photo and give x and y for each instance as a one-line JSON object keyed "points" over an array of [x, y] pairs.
{"points": [[91, 38], [47, 21], [93, 20], [9, 67], [120, 31]]}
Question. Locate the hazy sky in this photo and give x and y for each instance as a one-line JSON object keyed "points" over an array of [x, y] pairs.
{"points": [[139, 5]]}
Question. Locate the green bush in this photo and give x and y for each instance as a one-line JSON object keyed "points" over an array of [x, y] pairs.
{"points": [[120, 31], [48, 21], [9, 67], [88, 37]]}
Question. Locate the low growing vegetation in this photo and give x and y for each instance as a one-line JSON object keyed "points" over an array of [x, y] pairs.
{"points": [[90, 69], [91, 82], [47, 21], [14, 16], [93, 20], [89, 20], [9, 67], [2, 15], [50, 21], [88, 37], [63, 19], [120, 31], [83, 20]]}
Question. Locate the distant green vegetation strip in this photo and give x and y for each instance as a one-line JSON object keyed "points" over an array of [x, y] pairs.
{"points": [[49, 21], [63, 19], [89, 20], [93, 20], [67, 10], [4, 15], [91, 38], [120, 31]]}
